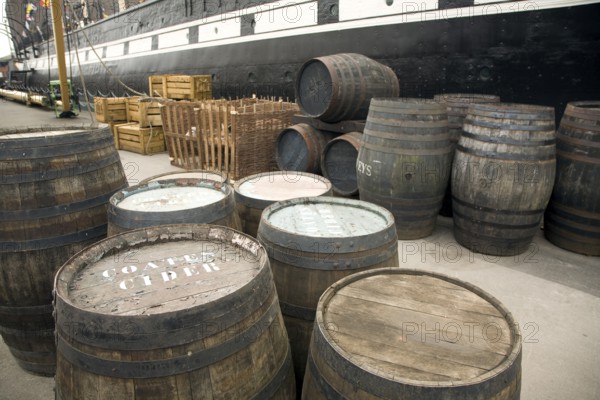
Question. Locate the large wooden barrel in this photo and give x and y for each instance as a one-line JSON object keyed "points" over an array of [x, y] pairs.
{"points": [[408, 334], [314, 242], [54, 188], [195, 174], [404, 162], [572, 219], [339, 87], [338, 163], [457, 105], [299, 148], [502, 176], [256, 192], [171, 312], [174, 201]]}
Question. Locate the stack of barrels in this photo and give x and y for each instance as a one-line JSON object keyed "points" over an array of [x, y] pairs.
{"points": [[273, 288], [331, 91]]}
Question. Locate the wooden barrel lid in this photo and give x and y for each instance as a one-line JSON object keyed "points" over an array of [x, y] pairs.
{"points": [[200, 174], [169, 195], [185, 274], [328, 217], [263, 189], [418, 328]]}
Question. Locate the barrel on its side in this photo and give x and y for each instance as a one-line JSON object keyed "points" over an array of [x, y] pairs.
{"points": [[171, 312], [502, 176], [572, 219], [185, 200], [299, 148], [404, 162], [314, 242], [457, 105], [54, 189], [338, 163], [408, 334], [256, 192], [194, 174], [339, 87]]}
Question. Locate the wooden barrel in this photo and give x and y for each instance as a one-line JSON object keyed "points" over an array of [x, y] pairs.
{"points": [[339, 87], [256, 192], [171, 312], [408, 334], [312, 243], [502, 176], [54, 188], [194, 174], [572, 219], [338, 163], [175, 201], [299, 148], [457, 105], [404, 162]]}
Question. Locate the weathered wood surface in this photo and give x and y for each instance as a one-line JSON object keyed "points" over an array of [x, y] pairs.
{"points": [[502, 176], [339, 87], [393, 333], [572, 219], [338, 163], [299, 148], [54, 189], [404, 162], [457, 105], [314, 242], [171, 312], [183, 200], [255, 192]]}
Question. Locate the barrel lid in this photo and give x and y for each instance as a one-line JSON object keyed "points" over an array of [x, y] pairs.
{"points": [[283, 185], [327, 217], [170, 195], [36, 134], [200, 174], [416, 327], [160, 270], [314, 86]]}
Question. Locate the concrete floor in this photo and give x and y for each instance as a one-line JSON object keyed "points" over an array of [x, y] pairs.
{"points": [[553, 294]]}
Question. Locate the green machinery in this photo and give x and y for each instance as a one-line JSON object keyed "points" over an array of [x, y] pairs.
{"points": [[56, 103]]}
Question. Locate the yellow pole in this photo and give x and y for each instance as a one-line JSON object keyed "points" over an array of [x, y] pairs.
{"points": [[59, 43]]}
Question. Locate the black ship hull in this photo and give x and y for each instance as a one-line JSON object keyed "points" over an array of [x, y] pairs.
{"points": [[535, 55]]}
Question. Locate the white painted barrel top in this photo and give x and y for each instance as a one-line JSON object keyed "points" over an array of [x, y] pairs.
{"points": [[157, 278], [36, 134], [194, 175], [171, 199], [283, 186], [328, 217]]}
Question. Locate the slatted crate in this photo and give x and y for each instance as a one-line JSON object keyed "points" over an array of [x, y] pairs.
{"points": [[132, 137], [110, 109], [236, 138], [145, 111], [181, 87]]}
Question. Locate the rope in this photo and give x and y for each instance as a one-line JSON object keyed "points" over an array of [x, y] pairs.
{"points": [[100, 58]]}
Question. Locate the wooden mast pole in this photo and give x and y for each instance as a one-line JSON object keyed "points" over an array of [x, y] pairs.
{"points": [[59, 43]]}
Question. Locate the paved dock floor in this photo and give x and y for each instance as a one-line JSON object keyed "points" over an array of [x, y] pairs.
{"points": [[553, 294]]}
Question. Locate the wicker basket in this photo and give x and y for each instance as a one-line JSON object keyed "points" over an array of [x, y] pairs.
{"points": [[236, 137]]}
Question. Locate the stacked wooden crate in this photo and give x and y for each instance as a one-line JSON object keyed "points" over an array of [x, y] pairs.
{"points": [[110, 110], [236, 137], [142, 133], [181, 87]]}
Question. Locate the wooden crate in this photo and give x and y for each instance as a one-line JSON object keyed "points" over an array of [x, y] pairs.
{"points": [[236, 138], [132, 137], [181, 87], [112, 109], [145, 111]]}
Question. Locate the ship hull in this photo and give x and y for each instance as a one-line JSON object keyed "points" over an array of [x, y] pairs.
{"points": [[544, 56]]}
